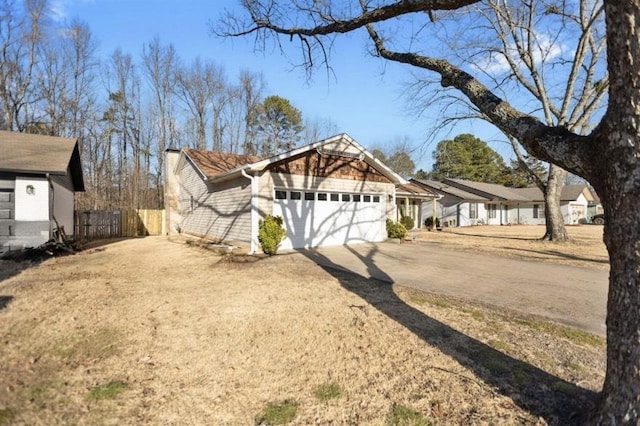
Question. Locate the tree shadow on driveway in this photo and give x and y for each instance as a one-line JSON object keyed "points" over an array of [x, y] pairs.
{"points": [[540, 393]]}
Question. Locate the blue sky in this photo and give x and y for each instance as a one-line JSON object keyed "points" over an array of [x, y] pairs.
{"points": [[364, 98]]}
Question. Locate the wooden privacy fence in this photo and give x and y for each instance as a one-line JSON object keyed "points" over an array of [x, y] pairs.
{"points": [[101, 224]]}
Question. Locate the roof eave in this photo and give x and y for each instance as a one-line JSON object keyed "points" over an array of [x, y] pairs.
{"points": [[368, 158]]}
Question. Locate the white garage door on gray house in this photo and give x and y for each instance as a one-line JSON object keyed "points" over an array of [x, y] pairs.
{"points": [[330, 192]]}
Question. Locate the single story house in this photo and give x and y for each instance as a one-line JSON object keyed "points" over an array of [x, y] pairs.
{"points": [[466, 203], [39, 176], [410, 198], [330, 192]]}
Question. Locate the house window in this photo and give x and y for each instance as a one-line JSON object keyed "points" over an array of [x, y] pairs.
{"points": [[346, 197], [367, 198], [309, 196], [192, 203], [295, 195], [322, 196], [281, 195], [538, 211], [492, 211], [473, 210], [335, 197], [376, 198], [356, 198]]}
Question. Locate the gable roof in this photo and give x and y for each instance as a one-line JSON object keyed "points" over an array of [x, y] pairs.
{"points": [[233, 165], [569, 193], [446, 189], [413, 190], [211, 163], [39, 154], [479, 191], [491, 191]]}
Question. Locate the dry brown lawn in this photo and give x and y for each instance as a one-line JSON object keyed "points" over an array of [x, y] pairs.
{"points": [[585, 247], [156, 331]]}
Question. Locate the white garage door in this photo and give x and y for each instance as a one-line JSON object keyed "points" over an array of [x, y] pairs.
{"points": [[314, 219]]}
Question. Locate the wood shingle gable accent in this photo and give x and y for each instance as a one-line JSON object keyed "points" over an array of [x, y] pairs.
{"points": [[313, 163]]}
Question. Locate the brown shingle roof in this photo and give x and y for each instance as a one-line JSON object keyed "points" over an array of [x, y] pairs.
{"points": [[22, 152], [27, 153], [444, 188], [412, 189], [489, 190], [214, 163]]}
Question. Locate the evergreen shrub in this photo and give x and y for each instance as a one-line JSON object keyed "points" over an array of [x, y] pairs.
{"points": [[270, 234]]}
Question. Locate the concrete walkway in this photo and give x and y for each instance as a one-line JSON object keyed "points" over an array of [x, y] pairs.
{"points": [[571, 295]]}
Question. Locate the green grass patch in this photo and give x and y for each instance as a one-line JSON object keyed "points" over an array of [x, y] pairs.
{"points": [[572, 334], [6, 415], [405, 416], [101, 344], [328, 391], [422, 299], [280, 413], [499, 344], [107, 391]]}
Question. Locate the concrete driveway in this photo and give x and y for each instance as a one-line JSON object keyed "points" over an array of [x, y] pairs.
{"points": [[571, 295]]}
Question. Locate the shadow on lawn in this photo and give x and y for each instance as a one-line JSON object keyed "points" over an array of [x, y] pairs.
{"points": [[500, 237], [560, 254], [535, 390]]}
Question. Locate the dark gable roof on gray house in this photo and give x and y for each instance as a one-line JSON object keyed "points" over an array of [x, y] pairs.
{"points": [[484, 192], [28, 154], [490, 191], [446, 189]]}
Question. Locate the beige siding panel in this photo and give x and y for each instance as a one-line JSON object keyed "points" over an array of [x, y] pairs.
{"points": [[269, 180], [341, 146], [220, 212]]}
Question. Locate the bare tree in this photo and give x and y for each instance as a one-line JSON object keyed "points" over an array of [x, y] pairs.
{"points": [[608, 156], [123, 123], [197, 86], [252, 86], [561, 83], [317, 129], [160, 64], [20, 37]]}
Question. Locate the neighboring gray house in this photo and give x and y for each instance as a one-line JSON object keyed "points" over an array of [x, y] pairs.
{"points": [[466, 203], [38, 178], [330, 192]]}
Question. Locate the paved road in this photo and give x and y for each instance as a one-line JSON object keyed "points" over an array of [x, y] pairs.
{"points": [[571, 295]]}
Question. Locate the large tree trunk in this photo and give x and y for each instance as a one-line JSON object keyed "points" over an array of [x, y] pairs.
{"points": [[620, 398], [555, 229], [617, 179]]}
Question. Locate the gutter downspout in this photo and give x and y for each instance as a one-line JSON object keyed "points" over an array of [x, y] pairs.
{"points": [[254, 210]]}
